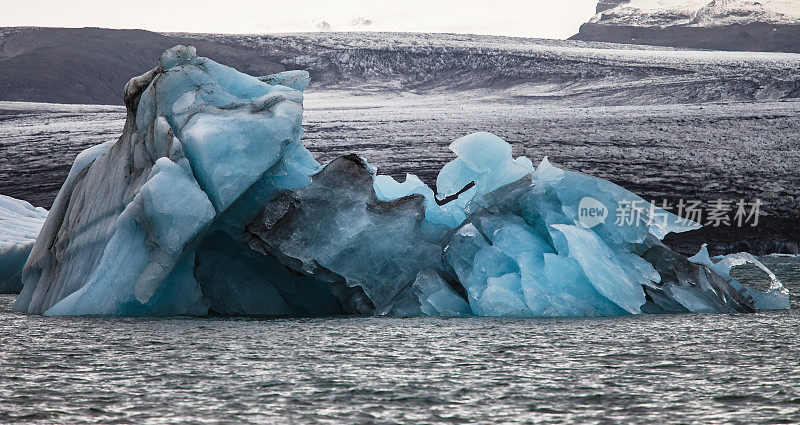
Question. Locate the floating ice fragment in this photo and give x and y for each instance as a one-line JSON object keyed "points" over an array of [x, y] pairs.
{"points": [[20, 223], [774, 298], [200, 139]]}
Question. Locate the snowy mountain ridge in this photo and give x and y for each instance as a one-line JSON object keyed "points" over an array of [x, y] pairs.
{"points": [[698, 13], [738, 25]]}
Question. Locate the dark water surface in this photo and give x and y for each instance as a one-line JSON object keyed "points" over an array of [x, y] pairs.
{"points": [[645, 369]]}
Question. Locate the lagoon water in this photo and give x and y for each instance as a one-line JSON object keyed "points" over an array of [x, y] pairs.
{"points": [[646, 369]]}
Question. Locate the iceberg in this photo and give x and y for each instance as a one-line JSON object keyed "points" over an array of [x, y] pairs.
{"points": [[20, 223], [209, 203], [201, 143]]}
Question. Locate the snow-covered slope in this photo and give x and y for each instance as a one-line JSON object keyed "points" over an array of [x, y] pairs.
{"points": [[768, 25], [699, 13], [20, 223]]}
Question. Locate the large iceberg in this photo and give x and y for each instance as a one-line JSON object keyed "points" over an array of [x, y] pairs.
{"points": [[209, 203], [20, 223]]}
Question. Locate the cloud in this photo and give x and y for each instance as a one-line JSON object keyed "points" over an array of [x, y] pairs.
{"points": [[324, 26]]}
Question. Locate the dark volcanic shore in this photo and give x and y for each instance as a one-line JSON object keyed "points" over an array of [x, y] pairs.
{"points": [[773, 235]]}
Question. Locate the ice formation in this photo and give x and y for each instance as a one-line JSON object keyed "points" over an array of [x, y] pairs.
{"points": [[208, 202], [20, 223]]}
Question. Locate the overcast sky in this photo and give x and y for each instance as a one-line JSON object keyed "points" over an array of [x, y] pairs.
{"points": [[528, 18]]}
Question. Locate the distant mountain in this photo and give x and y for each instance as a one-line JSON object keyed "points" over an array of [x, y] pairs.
{"points": [[745, 25], [92, 65]]}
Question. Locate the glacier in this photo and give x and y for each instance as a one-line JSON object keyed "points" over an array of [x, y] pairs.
{"points": [[20, 223], [209, 203]]}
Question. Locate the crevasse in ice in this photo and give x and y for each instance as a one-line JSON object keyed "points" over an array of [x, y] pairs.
{"points": [[208, 202]]}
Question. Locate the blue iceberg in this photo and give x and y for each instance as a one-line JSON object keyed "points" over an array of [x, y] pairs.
{"points": [[209, 203]]}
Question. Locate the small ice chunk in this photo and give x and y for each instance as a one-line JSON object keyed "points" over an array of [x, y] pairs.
{"points": [[20, 223], [774, 298]]}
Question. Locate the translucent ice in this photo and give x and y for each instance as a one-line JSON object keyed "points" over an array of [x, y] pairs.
{"points": [[450, 214], [339, 232], [484, 159], [776, 297], [526, 248]]}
